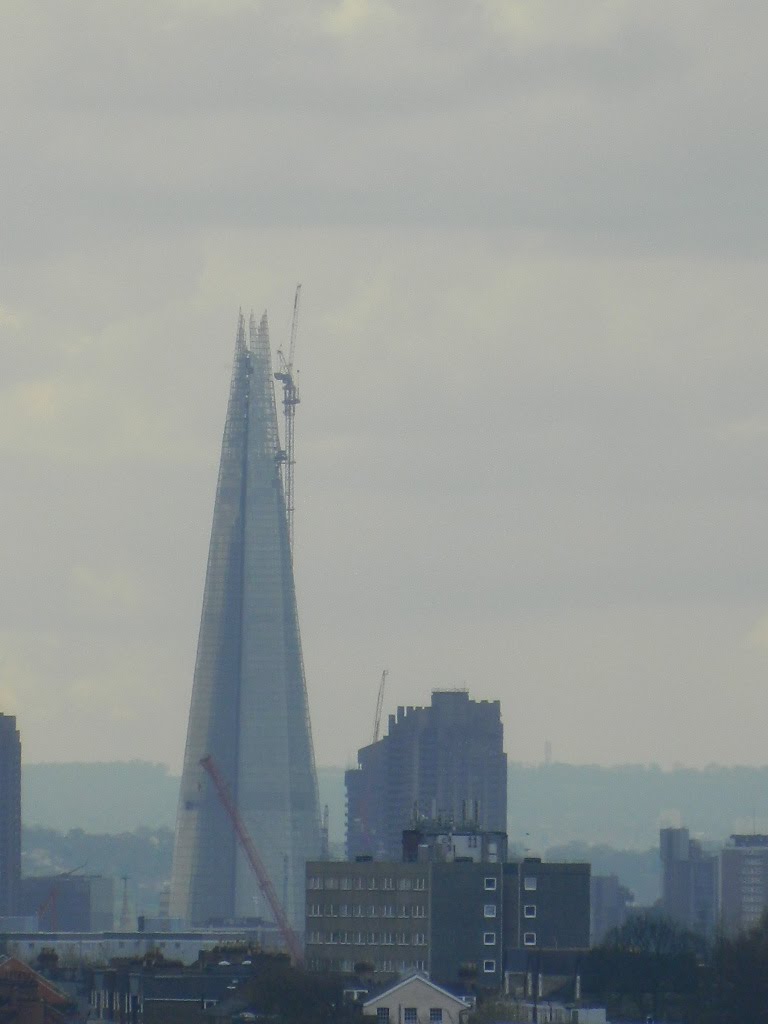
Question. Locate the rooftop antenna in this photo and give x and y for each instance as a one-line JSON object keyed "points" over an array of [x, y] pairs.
{"points": [[290, 401]]}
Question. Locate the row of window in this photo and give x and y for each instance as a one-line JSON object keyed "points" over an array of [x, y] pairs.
{"points": [[380, 966], [410, 1015], [361, 910], [343, 938], [359, 883]]}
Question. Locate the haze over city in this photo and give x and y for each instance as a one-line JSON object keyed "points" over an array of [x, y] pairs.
{"points": [[529, 448]]}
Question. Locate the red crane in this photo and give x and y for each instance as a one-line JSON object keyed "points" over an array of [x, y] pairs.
{"points": [[252, 855]]}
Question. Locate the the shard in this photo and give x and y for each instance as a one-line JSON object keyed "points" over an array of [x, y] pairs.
{"points": [[249, 707]]}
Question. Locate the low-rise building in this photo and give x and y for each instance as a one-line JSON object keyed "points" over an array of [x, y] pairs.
{"points": [[70, 902], [416, 1000]]}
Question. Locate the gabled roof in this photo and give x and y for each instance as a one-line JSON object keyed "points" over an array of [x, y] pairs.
{"points": [[11, 967], [416, 977]]}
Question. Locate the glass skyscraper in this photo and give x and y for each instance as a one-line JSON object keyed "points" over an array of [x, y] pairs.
{"points": [[249, 707]]}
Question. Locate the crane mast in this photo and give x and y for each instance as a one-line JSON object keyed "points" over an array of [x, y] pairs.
{"points": [[290, 401], [379, 706], [254, 859]]}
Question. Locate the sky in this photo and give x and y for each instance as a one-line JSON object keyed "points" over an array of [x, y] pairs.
{"points": [[532, 240]]}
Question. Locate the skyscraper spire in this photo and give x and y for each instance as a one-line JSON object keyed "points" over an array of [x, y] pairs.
{"points": [[249, 706]]}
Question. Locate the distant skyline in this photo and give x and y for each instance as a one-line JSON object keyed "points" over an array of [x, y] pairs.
{"points": [[531, 443]]}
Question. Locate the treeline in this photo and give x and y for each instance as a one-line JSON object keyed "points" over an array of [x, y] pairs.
{"points": [[549, 804], [651, 969]]}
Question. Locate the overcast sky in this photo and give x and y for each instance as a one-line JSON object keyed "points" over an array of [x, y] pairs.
{"points": [[532, 237]]}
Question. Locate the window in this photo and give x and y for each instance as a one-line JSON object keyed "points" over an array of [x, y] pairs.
{"points": [[489, 938], [402, 912], [389, 883], [331, 883], [315, 882], [529, 939], [490, 885], [358, 883], [372, 938], [435, 1015], [382, 1015], [489, 966], [410, 1015], [418, 911], [419, 883], [529, 883], [346, 883], [404, 883], [344, 910], [388, 910], [529, 910], [489, 910], [372, 883], [419, 939], [357, 910], [473, 842]]}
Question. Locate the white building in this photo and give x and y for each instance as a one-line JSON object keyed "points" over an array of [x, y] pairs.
{"points": [[416, 1000]]}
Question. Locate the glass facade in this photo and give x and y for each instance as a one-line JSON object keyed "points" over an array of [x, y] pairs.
{"points": [[249, 704]]}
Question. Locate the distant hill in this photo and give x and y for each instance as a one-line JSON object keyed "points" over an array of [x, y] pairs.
{"points": [[99, 797], [549, 804]]}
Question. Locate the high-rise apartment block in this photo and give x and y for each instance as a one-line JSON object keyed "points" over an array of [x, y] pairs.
{"points": [[249, 708], [611, 903], [689, 881], [743, 882], [10, 815], [446, 760]]}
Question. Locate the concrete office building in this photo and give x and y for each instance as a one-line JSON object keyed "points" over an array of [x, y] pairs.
{"points": [[446, 760], [452, 907], [249, 707], [69, 903], [10, 815], [743, 882], [689, 881]]}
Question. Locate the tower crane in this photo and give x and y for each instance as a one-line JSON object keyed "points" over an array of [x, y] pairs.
{"points": [[290, 400], [379, 705], [254, 859]]}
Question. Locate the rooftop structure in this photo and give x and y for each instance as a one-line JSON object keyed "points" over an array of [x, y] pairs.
{"points": [[249, 710]]}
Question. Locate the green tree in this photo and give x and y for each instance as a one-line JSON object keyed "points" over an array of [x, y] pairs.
{"points": [[738, 979], [647, 967]]}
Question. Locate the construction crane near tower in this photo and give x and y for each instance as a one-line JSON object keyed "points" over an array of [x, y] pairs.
{"points": [[379, 706], [290, 401], [254, 859]]}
